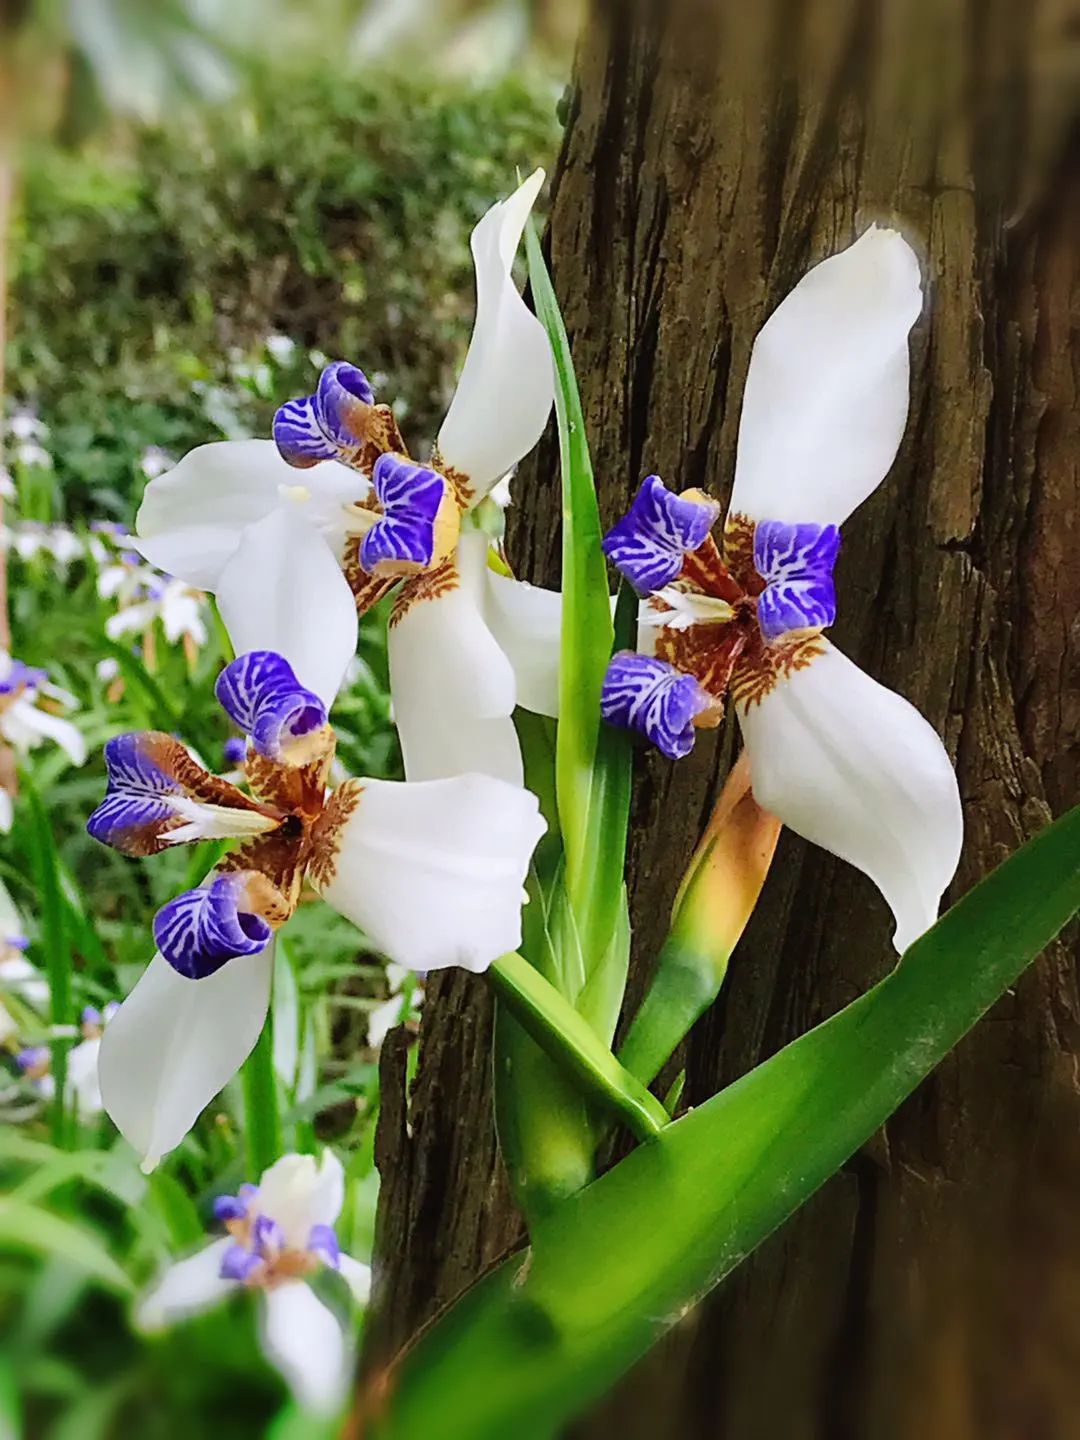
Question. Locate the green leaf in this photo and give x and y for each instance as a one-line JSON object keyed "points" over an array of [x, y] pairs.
{"points": [[36, 1231], [612, 1268], [51, 909], [593, 762], [262, 1118]]}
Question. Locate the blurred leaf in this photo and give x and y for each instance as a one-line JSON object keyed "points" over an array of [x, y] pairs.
{"points": [[146, 58], [57, 953], [612, 1268], [29, 1228]]}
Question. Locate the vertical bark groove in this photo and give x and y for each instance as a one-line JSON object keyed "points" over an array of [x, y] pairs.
{"points": [[714, 153]]}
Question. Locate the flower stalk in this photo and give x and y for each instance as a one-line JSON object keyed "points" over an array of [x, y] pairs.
{"points": [[570, 1041], [712, 908], [262, 1119]]}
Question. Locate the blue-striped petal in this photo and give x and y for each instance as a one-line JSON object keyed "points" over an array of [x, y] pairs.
{"points": [[796, 562], [328, 425], [649, 543], [259, 691], [648, 695], [138, 807], [342, 401], [410, 496], [157, 796], [298, 434], [202, 929]]}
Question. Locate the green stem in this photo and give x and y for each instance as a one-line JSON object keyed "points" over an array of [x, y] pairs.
{"points": [[262, 1122], [50, 902], [572, 1043], [685, 984]]}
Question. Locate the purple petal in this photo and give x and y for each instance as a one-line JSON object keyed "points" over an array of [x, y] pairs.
{"points": [[22, 677], [259, 691], [322, 1240], [299, 436], [135, 808], [410, 496], [341, 400], [648, 695], [202, 929], [238, 1263], [796, 562], [267, 1236], [328, 425], [235, 1207], [32, 1057], [234, 751], [649, 544]]}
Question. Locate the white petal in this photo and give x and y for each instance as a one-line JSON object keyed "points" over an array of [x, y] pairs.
{"points": [[82, 1078], [453, 688], [827, 391], [526, 622], [186, 1288], [39, 725], [299, 1191], [174, 1043], [433, 873], [507, 385], [357, 1276], [193, 517], [19, 977], [303, 1339], [7, 812], [284, 590], [854, 768]]}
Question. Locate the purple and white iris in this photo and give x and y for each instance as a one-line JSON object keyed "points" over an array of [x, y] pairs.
{"points": [[28, 705], [292, 535], [281, 1234], [840, 759], [433, 874]]}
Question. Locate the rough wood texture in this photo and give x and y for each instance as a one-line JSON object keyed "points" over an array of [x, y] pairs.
{"points": [[713, 153]]}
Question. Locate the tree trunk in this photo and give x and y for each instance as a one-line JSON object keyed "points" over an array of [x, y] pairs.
{"points": [[715, 152]]}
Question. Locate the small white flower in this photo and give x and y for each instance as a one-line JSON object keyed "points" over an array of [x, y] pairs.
{"points": [[24, 723], [30, 453], [25, 425], [281, 1234], [280, 348], [397, 1009], [154, 462]]}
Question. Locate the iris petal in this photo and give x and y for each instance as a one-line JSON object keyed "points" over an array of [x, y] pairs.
{"points": [[259, 691], [202, 929], [796, 562], [648, 545], [410, 496], [648, 695]]}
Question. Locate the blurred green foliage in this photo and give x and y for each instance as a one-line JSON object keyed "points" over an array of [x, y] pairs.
{"points": [[172, 286], [331, 209]]}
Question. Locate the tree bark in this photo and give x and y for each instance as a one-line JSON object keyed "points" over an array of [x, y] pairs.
{"points": [[714, 152]]}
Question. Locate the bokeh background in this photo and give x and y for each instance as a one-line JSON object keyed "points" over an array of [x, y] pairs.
{"points": [[202, 201]]}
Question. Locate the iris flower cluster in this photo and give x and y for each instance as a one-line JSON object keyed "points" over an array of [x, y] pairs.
{"points": [[296, 535]]}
